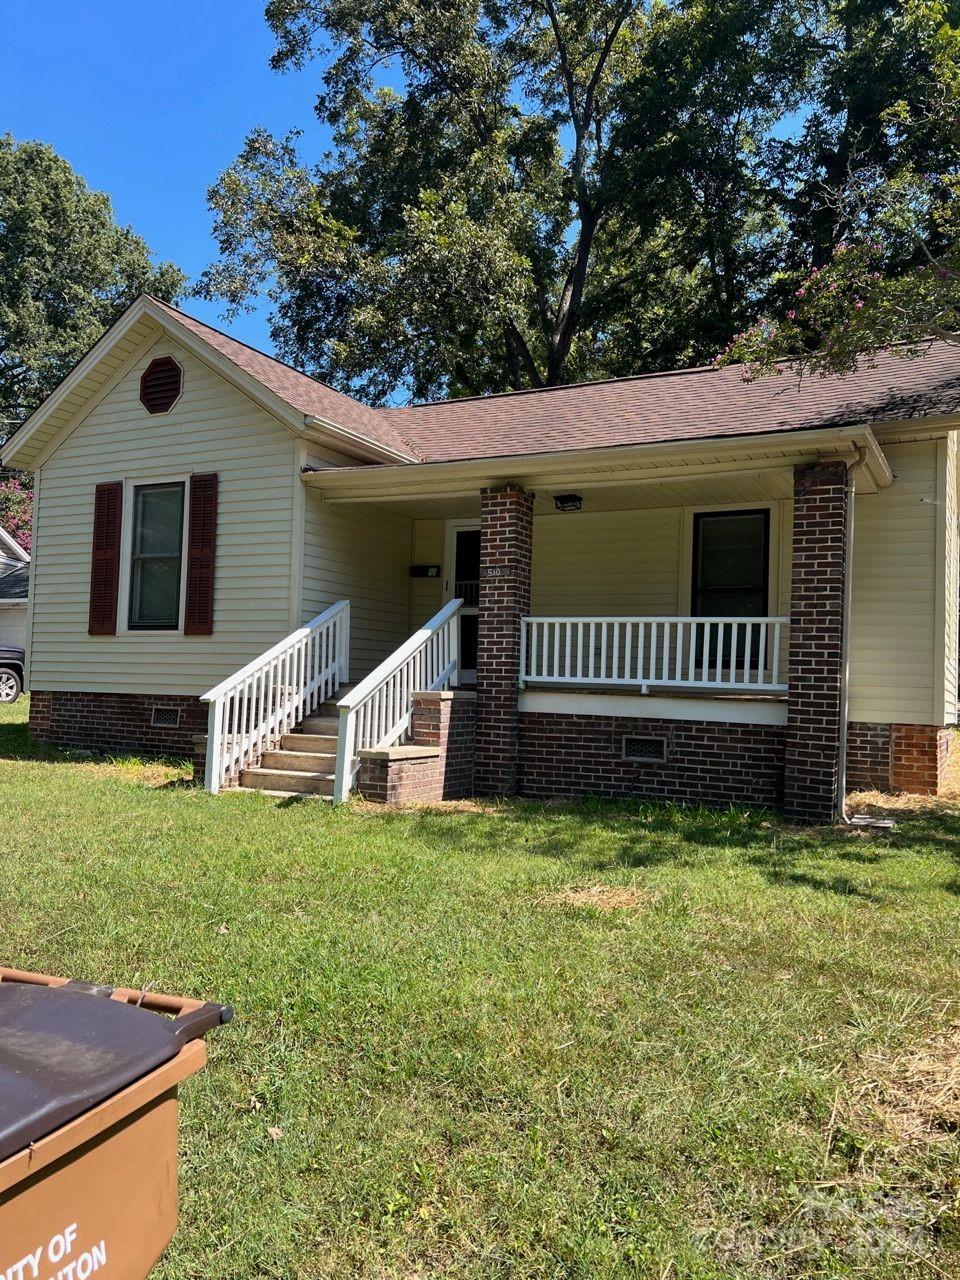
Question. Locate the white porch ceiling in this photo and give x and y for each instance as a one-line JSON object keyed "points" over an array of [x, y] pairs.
{"points": [[720, 490]]}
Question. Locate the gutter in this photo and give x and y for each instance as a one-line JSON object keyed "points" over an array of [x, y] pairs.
{"points": [[604, 465], [852, 469]]}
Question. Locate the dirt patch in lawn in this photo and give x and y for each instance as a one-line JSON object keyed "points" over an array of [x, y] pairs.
{"points": [[604, 897]]}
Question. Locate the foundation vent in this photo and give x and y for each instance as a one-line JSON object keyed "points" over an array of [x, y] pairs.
{"points": [[165, 718], [645, 750]]}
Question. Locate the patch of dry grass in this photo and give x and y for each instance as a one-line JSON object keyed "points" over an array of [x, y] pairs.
{"points": [[916, 1095], [602, 897]]}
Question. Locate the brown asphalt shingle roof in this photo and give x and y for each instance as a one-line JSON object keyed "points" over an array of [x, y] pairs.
{"points": [[301, 392], [692, 404]]}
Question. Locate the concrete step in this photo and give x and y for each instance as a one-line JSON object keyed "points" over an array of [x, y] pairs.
{"points": [[301, 761], [287, 780], [323, 725], [324, 743]]}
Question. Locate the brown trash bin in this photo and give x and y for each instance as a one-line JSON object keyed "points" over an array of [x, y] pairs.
{"points": [[88, 1124]]}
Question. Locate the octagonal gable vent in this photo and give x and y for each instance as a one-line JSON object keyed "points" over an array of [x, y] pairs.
{"points": [[160, 385]]}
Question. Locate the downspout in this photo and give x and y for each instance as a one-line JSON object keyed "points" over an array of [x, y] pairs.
{"points": [[852, 468]]}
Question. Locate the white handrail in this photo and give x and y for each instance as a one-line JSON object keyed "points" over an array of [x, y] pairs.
{"points": [[377, 712], [257, 705], [722, 654]]}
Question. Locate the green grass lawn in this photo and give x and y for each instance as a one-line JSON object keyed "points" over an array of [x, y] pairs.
{"points": [[448, 1062]]}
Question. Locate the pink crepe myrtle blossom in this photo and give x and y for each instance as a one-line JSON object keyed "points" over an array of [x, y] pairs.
{"points": [[16, 511]]}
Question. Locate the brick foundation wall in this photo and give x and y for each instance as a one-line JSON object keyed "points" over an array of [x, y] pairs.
{"points": [[896, 757], [443, 723], [918, 753], [814, 702], [506, 545], [706, 762], [868, 757], [115, 723]]}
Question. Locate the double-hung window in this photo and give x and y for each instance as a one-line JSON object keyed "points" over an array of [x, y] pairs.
{"points": [[156, 557]]}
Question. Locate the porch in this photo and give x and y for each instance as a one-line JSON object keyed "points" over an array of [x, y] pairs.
{"points": [[738, 704]]}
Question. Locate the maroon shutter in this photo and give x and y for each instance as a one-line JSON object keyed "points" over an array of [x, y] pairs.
{"points": [[105, 568], [201, 553]]}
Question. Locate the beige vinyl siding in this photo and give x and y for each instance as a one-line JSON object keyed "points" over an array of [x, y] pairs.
{"points": [[212, 428], [362, 555], [426, 594], [893, 641], [948, 557], [620, 563], [607, 563]]}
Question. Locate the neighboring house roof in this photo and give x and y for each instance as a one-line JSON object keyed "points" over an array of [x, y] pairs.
{"points": [[14, 581], [10, 547]]}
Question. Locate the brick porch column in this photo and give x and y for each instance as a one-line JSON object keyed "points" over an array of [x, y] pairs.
{"points": [[814, 706], [506, 544]]}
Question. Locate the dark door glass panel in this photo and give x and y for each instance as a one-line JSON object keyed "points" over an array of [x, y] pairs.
{"points": [[469, 623], [731, 564], [467, 568]]}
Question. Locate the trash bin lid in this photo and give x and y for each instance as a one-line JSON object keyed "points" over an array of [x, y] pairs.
{"points": [[63, 1050]]}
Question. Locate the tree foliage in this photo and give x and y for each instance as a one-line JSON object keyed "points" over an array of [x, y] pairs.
{"points": [[525, 192], [884, 265], [66, 272], [16, 511]]}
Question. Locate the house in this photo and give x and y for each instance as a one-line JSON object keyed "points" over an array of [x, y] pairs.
{"points": [[684, 586], [14, 579]]}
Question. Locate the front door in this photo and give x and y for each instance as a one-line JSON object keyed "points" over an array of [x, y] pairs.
{"points": [[462, 579]]}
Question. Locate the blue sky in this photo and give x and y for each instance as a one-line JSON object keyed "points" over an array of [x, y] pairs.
{"points": [[149, 103]]}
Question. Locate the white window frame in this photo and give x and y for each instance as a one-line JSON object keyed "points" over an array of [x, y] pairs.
{"points": [[130, 484], [685, 584]]}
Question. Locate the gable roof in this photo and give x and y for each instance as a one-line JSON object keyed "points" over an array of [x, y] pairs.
{"points": [[685, 405], [661, 408], [298, 390]]}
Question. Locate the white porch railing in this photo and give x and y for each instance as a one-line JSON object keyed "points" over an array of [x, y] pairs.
{"points": [[251, 710], [736, 655], [377, 712]]}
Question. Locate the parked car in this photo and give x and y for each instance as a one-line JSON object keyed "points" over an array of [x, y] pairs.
{"points": [[11, 672]]}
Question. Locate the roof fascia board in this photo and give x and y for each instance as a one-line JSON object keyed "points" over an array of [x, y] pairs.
{"points": [[293, 419], [907, 429], [40, 415], [453, 477], [61, 436], [343, 437]]}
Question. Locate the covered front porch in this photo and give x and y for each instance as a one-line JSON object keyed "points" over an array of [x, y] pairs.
{"points": [[662, 600]]}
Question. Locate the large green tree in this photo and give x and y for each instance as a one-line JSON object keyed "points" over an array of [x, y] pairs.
{"points": [[478, 227], [875, 245], [555, 190], [67, 270]]}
